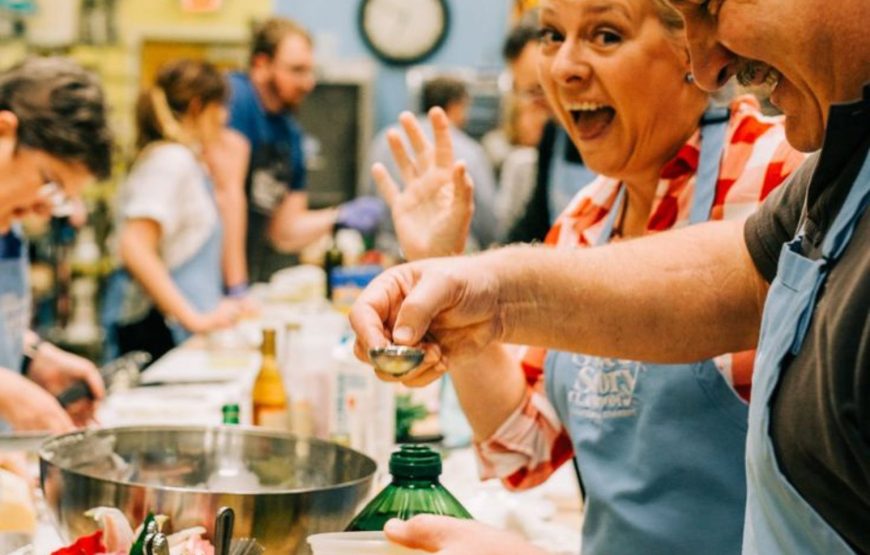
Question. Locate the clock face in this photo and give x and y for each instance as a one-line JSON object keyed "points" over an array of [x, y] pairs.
{"points": [[403, 31]]}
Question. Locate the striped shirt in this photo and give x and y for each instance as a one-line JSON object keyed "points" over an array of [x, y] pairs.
{"points": [[532, 443]]}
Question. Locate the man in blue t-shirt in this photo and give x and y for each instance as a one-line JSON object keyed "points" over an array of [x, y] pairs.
{"points": [[262, 102]]}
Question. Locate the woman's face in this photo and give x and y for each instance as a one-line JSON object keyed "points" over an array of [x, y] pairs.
{"points": [[615, 78], [210, 121]]}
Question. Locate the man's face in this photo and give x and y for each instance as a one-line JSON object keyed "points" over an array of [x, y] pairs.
{"points": [[291, 71], [34, 182], [781, 42]]}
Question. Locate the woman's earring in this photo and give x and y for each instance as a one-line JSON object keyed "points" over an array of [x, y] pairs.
{"points": [[689, 78]]}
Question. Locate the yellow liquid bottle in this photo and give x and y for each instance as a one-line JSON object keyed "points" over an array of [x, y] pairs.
{"points": [[270, 398]]}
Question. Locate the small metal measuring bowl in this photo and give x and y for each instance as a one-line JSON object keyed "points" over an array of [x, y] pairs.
{"points": [[396, 360]]}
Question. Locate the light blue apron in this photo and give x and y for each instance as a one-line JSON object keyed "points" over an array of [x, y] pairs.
{"points": [[566, 178], [660, 448], [778, 519], [199, 279], [14, 298]]}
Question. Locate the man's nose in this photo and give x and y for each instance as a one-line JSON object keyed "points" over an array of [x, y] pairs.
{"points": [[712, 63]]}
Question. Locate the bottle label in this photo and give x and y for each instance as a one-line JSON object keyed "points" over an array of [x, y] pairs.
{"points": [[272, 419]]}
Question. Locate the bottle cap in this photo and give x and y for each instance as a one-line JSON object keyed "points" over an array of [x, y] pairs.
{"points": [[230, 413], [415, 461]]}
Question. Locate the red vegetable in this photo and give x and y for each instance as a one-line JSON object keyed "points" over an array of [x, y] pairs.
{"points": [[86, 545]]}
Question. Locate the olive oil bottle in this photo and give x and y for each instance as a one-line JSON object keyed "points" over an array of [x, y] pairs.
{"points": [[269, 397]]}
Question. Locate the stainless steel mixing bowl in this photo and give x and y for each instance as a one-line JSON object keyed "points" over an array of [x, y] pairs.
{"points": [[281, 488]]}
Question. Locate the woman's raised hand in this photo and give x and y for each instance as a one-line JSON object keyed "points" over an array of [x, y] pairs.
{"points": [[432, 213]]}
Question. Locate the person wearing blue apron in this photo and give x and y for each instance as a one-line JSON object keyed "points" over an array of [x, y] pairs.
{"points": [[659, 448], [14, 302], [14, 298], [778, 518], [170, 231], [198, 279]]}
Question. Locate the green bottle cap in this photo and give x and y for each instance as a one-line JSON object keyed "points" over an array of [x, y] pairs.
{"points": [[415, 461], [230, 413]]}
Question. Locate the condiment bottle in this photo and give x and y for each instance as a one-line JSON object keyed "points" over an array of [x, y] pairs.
{"points": [[333, 259], [230, 414], [270, 398], [415, 489]]}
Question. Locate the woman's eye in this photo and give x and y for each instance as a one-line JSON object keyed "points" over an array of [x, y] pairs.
{"points": [[547, 36], [607, 38]]}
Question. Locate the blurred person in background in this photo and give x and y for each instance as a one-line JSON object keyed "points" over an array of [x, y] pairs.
{"points": [[660, 448], [450, 94], [558, 170], [514, 146], [274, 202], [169, 230], [522, 73], [54, 140]]}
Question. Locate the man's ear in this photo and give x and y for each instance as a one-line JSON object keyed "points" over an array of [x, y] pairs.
{"points": [[8, 125], [8, 135], [260, 60]]}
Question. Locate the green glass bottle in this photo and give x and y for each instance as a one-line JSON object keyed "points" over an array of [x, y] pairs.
{"points": [[415, 490], [230, 413]]}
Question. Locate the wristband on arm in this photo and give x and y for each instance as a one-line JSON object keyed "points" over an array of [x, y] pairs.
{"points": [[236, 291]]}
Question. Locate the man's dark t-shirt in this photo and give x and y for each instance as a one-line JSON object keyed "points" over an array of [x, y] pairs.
{"points": [[820, 413]]}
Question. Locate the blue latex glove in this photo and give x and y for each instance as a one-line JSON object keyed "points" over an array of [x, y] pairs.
{"points": [[362, 214]]}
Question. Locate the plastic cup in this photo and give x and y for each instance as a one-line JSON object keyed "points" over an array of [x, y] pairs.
{"points": [[357, 543]]}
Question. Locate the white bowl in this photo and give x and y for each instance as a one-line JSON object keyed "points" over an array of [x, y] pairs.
{"points": [[357, 543]]}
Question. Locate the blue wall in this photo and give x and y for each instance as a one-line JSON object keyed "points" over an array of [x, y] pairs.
{"points": [[477, 28]]}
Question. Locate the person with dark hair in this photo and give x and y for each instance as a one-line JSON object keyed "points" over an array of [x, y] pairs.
{"points": [[274, 201], [169, 228], [54, 140], [448, 93], [449, 96], [532, 206]]}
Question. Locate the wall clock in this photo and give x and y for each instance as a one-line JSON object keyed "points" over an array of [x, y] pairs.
{"points": [[403, 31]]}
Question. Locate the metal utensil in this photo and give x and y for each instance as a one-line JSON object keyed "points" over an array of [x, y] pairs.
{"points": [[160, 545], [247, 546], [223, 530], [150, 534], [396, 360], [22, 441], [123, 370]]}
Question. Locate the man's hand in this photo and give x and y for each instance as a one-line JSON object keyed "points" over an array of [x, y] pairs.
{"points": [[450, 536], [448, 306], [28, 407], [432, 214], [56, 370]]}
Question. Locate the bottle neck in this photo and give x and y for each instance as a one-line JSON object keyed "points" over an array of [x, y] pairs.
{"points": [[404, 481], [268, 347]]}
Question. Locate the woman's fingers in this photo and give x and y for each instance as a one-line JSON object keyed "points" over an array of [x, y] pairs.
{"points": [[386, 186], [463, 186], [418, 140], [443, 140], [407, 168]]}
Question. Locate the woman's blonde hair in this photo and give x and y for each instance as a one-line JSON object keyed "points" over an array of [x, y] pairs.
{"points": [[668, 15]]}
